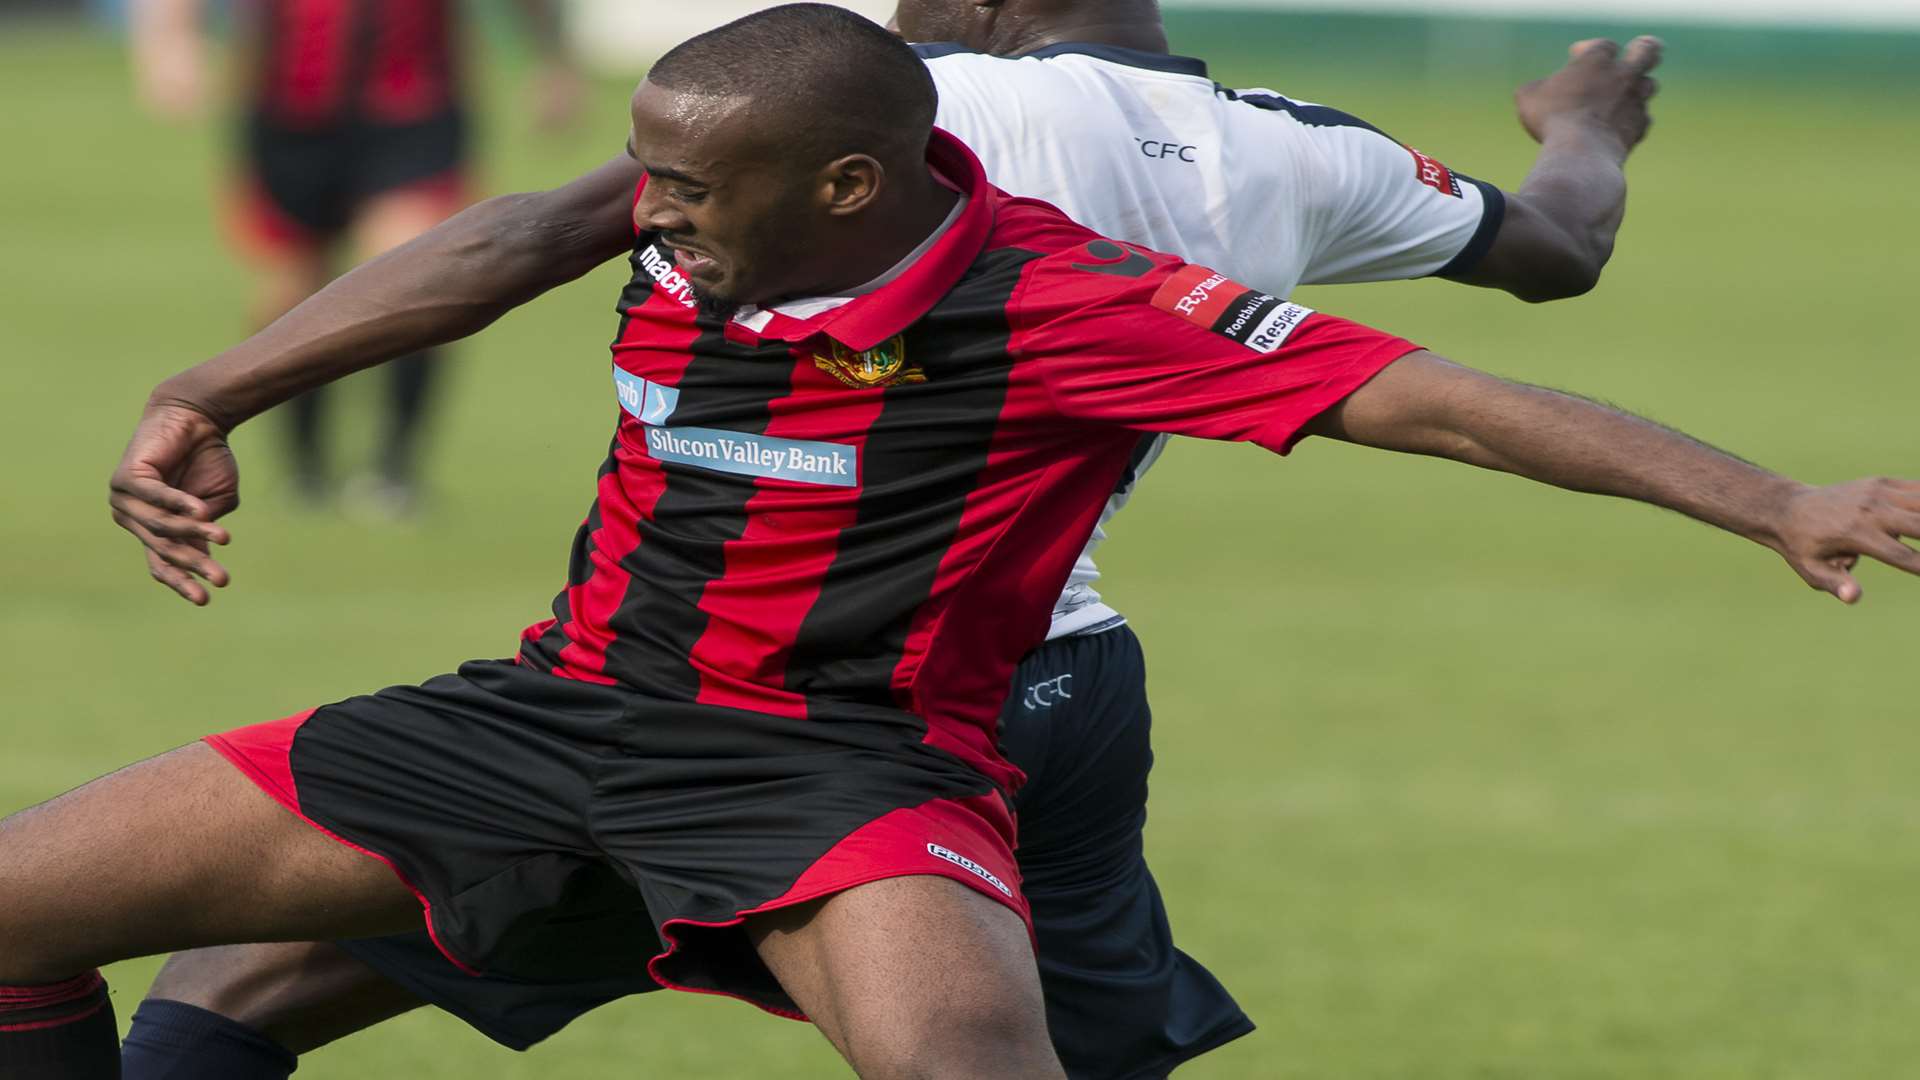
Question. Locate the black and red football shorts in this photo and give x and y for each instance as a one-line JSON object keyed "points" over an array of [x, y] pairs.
{"points": [[300, 188], [513, 802]]}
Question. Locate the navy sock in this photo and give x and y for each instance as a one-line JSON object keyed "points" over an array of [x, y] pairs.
{"points": [[58, 1031], [172, 1040]]}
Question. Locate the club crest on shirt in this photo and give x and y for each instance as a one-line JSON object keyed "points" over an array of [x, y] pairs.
{"points": [[883, 365]]}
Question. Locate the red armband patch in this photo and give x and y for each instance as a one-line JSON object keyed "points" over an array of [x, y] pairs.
{"points": [[1211, 301], [1433, 174]]}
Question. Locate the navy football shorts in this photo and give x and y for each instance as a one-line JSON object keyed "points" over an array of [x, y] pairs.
{"points": [[1122, 1002]]}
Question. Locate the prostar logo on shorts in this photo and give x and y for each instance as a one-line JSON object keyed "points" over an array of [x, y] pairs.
{"points": [[652, 262], [969, 866], [1435, 175], [1260, 321]]}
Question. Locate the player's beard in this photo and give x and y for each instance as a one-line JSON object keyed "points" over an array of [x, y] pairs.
{"points": [[714, 307]]}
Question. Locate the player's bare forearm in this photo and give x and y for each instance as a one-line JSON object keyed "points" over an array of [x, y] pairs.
{"points": [[177, 477], [445, 284], [1560, 225], [1423, 404]]}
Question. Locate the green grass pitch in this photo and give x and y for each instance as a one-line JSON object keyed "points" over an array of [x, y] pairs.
{"points": [[1459, 777]]}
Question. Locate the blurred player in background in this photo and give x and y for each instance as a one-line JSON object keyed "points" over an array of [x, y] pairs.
{"points": [[1079, 103], [353, 138]]}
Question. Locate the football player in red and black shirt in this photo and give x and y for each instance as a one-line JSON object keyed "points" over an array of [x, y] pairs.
{"points": [[1308, 192], [353, 139], [869, 408]]}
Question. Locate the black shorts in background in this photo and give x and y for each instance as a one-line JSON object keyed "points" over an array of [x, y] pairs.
{"points": [[314, 180]]}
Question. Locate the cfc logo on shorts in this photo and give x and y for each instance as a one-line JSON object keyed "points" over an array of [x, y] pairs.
{"points": [[969, 866]]}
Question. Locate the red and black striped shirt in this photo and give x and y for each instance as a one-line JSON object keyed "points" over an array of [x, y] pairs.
{"points": [[867, 511], [324, 62]]}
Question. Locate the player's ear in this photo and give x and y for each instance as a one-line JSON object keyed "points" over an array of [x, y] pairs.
{"points": [[849, 184]]}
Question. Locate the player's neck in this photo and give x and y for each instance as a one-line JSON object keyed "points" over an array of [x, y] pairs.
{"points": [[1143, 33], [892, 233]]}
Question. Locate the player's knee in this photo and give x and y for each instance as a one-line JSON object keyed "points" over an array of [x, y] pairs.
{"points": [[285, 992], [1001, 1039], [33, 949]]}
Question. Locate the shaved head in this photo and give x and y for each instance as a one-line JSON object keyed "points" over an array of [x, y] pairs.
{"points": [[785, 155], [821, 80], [1016, 27]]}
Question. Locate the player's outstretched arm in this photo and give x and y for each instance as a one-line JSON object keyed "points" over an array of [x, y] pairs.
{"points": [[177, 477], [1423, 404], [1559, 227]]}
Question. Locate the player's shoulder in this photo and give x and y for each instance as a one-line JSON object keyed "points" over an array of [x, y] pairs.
{"points": [[1064, 63], [1259, 104], [1105, 288], [1068, 260]]}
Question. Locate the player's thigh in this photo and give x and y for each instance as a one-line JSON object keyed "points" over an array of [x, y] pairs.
{"points": [[914, 976], [176, 852], [387, 219], [302, 995], [283, 277]]}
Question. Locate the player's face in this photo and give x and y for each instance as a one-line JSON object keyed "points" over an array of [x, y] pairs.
{"points": [[942, 20], [737, 216]]}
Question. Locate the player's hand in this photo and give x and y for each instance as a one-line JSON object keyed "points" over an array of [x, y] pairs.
{"points": [[559, 92], [1824, 530], [175, 480], [1602, 88]]}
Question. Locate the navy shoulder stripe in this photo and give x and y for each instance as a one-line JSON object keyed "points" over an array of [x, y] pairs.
{"points": [[934, 50], [1310, 115]]}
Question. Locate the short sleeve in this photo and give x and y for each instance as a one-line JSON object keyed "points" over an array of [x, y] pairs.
{"points": [[1382, 210], [1176, 348]]}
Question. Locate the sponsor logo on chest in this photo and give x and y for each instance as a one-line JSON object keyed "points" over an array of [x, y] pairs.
{"points": [[739, 452]]}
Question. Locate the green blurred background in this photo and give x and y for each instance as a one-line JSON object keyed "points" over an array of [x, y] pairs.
{"points": [[1458, 777]]}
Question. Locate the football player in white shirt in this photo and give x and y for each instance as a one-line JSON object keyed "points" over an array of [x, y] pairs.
{"points": [[1077, 102]]}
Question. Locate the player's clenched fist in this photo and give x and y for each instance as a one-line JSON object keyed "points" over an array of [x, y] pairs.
{"points": [[1823, 531], [1601, 88], [175, 480]]}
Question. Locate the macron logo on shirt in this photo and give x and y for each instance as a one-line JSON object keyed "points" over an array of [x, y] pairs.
{"points": [[666, 275]]}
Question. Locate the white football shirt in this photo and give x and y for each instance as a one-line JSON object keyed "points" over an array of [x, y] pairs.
{"points": [[1271, 192]]}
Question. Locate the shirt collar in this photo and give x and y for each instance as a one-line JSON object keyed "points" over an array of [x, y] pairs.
{"points": [[1119, 54], [1113, 54], [900, 297]]}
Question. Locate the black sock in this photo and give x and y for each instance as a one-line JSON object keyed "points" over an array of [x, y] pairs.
{"points": [[58, 1031], [409, 384], [306, 440], [172, 1040]]}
